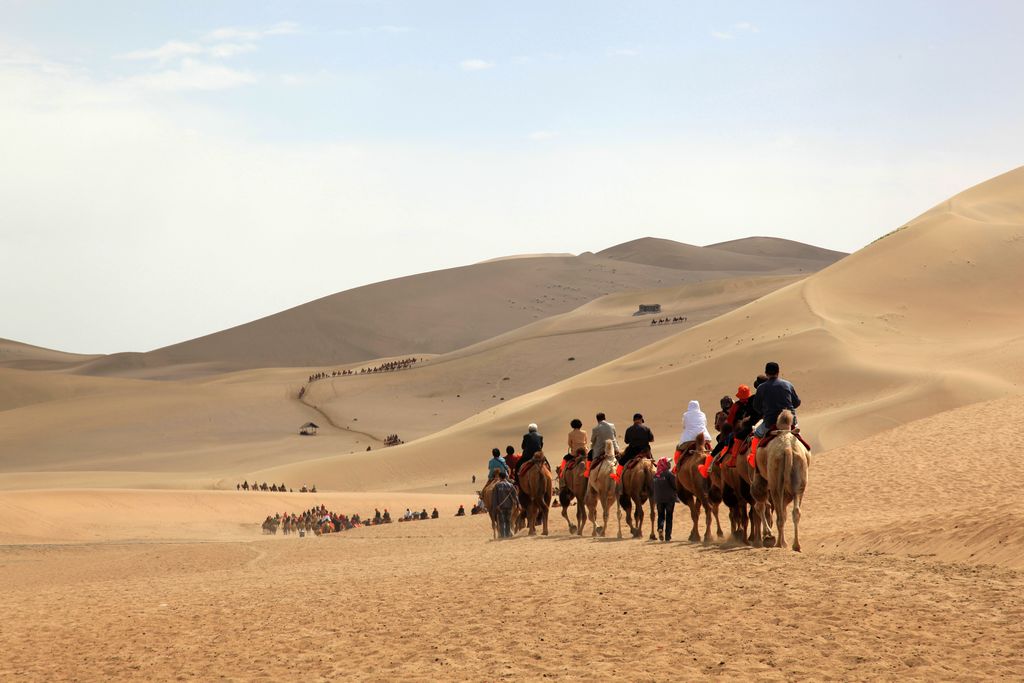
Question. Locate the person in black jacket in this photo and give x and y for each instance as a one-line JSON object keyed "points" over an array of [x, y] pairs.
{"points": [[532, 443], [772, 397], [639, 438], [664, 498]]}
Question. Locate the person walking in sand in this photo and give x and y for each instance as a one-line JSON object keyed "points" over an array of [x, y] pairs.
{"points": [[664, 498]]}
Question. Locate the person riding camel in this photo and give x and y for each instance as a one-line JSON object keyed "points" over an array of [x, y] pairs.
{"points": [[602, 432], [496, 464], [694, 422], [532, 443], [511, 458], [772, 397], [722, 425], [577, 441], [639, 438]]}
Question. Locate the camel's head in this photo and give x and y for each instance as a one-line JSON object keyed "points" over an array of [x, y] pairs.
{"points": [[785, 421]]}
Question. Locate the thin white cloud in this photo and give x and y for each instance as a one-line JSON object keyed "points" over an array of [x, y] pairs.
{"points": [[539, 135], [192, 75], [747, 26], [737, 28], [248, 34], [475, 65], [721, 35], [624, 52], [171, 50], [225, 50]]}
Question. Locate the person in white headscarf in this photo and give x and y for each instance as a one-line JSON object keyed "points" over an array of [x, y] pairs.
{"points": [[694, 422]]}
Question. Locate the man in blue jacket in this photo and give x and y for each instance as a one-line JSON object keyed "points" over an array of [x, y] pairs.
{"points": [[772, 398], [496, 464]]}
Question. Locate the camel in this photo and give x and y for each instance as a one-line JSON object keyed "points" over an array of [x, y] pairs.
{"points": [[601, 487], [573, 485], [696, 491], [784, 463], [535, 492], [755, 490], [637, 488]]}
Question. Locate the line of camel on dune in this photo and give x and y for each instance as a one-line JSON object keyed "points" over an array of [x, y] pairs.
{"points": [[758, 468], [274, 488], [389, 366]]}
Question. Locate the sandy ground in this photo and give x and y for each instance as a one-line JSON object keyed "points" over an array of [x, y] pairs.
{"points": [[437, 600]]}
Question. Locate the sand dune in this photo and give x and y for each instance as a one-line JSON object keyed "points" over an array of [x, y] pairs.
{"points": [[430, 313], [17, 355], [919, 322], [748, 255]]}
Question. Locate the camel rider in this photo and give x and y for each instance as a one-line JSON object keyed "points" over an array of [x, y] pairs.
{"points": [[496, 464], [722, 425], [532, 443], [639, 438], [602, 431], [511, 459], [695, 422], [772, 397], [577, 441]]}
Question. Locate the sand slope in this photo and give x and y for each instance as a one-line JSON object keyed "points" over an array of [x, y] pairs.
{"points": [[430, 313], [922, 321]]}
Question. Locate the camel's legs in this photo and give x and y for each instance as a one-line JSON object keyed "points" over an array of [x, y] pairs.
{"points": [[581, 516], [707, 519], [796, 522], [780, 518], [618, 511], [695, 516], [654, 519], [718, 525], [565, 513]]}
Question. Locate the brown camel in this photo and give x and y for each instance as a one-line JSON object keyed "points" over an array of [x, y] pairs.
{"points": [[601, 487], [535, 492], [573, 485], [784, 463], [637, 489], [696, 491]]}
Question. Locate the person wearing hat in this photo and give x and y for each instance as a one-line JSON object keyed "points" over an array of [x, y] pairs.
{"points": [[496, 464], [532, 443], [772, 397], [639, 438]]}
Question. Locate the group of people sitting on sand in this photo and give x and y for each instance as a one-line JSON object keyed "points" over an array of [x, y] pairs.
{"points": [[276, 488], [478, 508], [318, 520], [392, 440], [411, 516], [669, 321], [383, 367]]}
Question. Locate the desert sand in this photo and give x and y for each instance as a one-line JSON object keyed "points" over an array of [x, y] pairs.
{"points": [[127, 553]]}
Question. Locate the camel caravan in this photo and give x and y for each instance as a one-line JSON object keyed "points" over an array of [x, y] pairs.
{"points": [[758, 468]]}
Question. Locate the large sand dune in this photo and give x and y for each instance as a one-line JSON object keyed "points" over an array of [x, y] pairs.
{"points": [[436, 312], [922, 321]]}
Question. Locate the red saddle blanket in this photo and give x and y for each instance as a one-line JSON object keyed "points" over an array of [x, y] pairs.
{"points": [[633, 463], [526, 468]]}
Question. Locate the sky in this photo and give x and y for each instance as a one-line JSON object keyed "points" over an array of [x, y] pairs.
{"points": [[170, 169]]}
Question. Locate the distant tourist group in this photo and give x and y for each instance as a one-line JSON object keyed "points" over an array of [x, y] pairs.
{"points": [[392, 440], [246, 486], [390, 366], [669, 321]]}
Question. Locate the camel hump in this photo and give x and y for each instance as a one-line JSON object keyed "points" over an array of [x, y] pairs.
{"points": [[784, 421]]}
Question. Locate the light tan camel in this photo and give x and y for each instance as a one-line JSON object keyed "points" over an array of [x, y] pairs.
{"points": [[601, 487], [637, 489], [535, 492], [784, 463], [696, 491], [573, 485]]}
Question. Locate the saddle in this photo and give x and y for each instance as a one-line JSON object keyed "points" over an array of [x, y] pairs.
{"points": [[646, 455], [531, 462], [774, 431]]}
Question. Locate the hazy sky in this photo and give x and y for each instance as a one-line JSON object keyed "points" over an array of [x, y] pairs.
{"points": [[169, 169]]}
